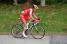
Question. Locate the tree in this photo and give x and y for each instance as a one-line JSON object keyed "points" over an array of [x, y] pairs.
{"points": [[15, 2], [42, 2]]}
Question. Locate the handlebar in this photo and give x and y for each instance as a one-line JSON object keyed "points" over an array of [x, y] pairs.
{"points": [[36, 20]]}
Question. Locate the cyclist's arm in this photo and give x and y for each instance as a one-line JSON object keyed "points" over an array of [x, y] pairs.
{"points": [[31, 14], [34, 14]]}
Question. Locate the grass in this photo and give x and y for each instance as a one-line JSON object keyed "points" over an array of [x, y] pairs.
{"points": [[54, 17]]}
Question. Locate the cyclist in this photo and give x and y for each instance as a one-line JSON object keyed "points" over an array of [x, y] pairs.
{"points": [[27, 14]]}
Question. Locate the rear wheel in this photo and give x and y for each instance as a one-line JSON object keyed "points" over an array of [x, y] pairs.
{"points": [[16, 30], [37, 32]]}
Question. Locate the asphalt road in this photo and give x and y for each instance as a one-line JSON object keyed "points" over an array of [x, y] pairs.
{"points": [[58, 39], [53, 39], [8, 39]]}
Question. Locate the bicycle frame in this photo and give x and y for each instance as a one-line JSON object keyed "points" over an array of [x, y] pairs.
{"points": [[33, 24]]}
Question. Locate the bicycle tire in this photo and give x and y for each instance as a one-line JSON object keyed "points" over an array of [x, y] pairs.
{"points": [[36, 32], [16, 30]]}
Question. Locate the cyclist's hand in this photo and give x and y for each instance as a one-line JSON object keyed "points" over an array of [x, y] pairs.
{"points": [[36, 20]]}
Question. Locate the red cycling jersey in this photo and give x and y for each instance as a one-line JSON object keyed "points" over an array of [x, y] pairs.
{"points": [[25, 15]]}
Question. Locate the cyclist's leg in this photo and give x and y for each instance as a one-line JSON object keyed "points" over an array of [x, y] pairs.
{"points": [[24, 25]]}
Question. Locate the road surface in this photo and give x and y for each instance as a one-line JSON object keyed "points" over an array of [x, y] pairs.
{"points": [[8, 39]]}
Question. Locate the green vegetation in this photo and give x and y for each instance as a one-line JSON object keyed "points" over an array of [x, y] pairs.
{"points": [[55, 17]]}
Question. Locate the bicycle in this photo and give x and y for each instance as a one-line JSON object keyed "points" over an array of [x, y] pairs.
{"points": [[35, 29]]}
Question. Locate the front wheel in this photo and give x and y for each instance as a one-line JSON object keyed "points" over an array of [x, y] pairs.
{"points": [[37, 31]]}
